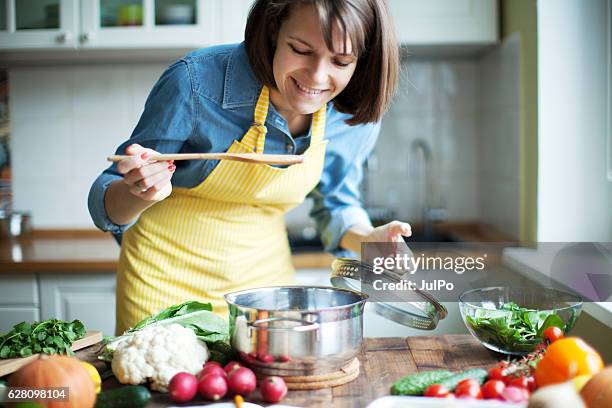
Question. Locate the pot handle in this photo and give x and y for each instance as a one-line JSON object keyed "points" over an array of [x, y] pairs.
{"points": [[305, 327]]}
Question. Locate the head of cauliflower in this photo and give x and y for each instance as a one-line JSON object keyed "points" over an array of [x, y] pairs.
{"points": [[155, 354]]}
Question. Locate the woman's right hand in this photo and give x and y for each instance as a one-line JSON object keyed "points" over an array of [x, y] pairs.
{"points": [[147, 180]]}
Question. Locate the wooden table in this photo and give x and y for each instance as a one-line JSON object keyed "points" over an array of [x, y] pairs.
{"points": [[383, 361]]}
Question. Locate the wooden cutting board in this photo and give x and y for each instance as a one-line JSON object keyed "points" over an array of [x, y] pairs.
{"points": [[10, 365]]}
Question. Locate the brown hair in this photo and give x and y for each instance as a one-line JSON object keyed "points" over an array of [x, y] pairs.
{"points": [[367, 23]]}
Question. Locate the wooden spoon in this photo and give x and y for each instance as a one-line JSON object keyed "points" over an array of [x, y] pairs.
{"points": [[242, 157]]}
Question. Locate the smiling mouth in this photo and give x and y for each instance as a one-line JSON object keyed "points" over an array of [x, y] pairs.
{"points": [[305, 89]]}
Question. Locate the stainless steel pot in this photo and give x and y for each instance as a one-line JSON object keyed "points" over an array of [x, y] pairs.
{"points": [[296, 330], [14, 224]]}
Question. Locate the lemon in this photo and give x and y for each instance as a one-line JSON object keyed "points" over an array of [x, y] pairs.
{"points": [[95, 376], [580, 380]]}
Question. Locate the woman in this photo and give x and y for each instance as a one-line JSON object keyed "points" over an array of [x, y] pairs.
{"points": [[313, 77]]}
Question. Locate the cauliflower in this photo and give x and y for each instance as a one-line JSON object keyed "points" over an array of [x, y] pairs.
{"points": [[156, 354]]}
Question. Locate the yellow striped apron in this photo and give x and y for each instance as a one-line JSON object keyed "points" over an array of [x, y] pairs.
{"points": [[226, 234]]}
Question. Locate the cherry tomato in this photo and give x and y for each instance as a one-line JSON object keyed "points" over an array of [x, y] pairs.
{"points": [[437, 391], [468, 381], [526, 382], [468, 389], [553, 333], [498, 373], [493, 389]]}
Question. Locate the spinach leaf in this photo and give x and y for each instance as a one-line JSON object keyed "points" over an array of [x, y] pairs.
{"points": [[513, 328]]}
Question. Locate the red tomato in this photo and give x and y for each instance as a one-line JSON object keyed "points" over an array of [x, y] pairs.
{"points": [[437, 391], [468, 390], [498, 373], [527, 383], [493, 389], [553, 333], [468, 381]]}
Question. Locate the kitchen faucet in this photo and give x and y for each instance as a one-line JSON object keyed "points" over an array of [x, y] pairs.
{"points": [[420, 158]]}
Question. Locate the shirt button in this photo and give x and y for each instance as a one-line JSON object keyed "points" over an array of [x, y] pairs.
{"points": [[289, 148]]}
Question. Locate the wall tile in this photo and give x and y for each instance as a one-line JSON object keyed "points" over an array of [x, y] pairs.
{"points": [[41, 148], [38, 92], [100, 91]]}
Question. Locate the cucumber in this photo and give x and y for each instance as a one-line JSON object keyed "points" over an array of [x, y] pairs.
{"points": [[415, 384], [478, 374], [131, 396]]}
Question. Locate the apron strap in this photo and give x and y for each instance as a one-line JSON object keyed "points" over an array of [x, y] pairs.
{"points": [[318, 125], [255, 138]]}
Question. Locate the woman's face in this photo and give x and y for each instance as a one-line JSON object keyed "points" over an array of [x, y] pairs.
{"points": [[307, 74]]}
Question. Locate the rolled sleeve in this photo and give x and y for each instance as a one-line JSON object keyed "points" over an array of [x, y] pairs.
{"points": [[95, 203], [165, 124], [337, 204]]}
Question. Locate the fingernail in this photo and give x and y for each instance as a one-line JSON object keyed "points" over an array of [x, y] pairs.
{"points": [[172, 168]]}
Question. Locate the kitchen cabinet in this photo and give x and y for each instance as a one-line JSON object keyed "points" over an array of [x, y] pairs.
{"points": [[29, 24], [19, 299], [87, 297], [120, 24], [445, 22]]}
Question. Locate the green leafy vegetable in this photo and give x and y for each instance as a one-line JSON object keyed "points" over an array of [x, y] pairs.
{"points": [[519, 331], [172, 311], [194, 315], [50, 336]]}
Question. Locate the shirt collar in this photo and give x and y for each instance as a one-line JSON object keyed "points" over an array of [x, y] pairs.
{"points": [[241, 86]]}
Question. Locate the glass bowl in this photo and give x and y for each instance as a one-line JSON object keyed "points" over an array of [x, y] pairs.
{"points": [[511, 320]]}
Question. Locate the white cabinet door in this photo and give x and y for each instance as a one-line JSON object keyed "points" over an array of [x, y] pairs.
{"points": [[39, 24], [18, 289], [12, 315], [87, 297], [154, 25], [449, 22]]}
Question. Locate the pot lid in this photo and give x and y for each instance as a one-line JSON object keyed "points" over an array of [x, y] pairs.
{"points": [[417, 308]]}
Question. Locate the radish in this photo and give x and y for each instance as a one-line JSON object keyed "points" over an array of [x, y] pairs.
{"points": [[242, 381], [212, 363], [266, 358], [212, 386], [231, 366], [273, 389], [183, 387], [215, 369]]}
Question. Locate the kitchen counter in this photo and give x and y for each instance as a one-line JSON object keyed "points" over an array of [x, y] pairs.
{"points": [[383, 361], [87, 251]]}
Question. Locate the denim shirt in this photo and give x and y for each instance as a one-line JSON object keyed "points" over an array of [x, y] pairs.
{"points": [[204, 101]]}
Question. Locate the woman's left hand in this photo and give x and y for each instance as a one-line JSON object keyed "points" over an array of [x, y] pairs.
{"points": [[391, 232], [384, 234], [387, 241]]}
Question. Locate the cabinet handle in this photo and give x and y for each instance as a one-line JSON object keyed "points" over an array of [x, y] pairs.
{"points": [[86, 37], [63, 37]]}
